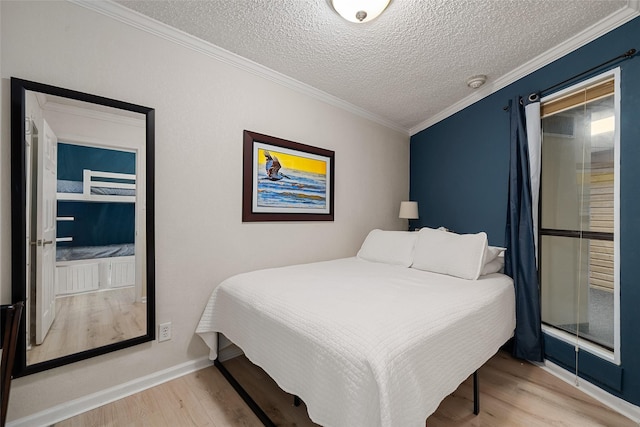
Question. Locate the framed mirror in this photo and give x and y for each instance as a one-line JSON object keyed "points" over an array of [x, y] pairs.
{"points": [[82, 224]]}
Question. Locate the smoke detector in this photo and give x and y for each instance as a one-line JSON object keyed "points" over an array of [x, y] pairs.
{"points": [[474, 82]]}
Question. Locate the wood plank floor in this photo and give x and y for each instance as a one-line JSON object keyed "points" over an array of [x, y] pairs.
{"points": [[512, 394], [89, 320]]}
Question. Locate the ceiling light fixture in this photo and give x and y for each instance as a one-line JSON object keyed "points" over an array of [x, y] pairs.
{"points": [[475, 82], [359, 11]]}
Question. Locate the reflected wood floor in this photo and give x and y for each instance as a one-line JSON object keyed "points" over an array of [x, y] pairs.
{"points": [[90, 320], [512, 394]]}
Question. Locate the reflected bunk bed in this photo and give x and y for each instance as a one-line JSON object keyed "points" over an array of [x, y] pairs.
{"points": [[96, 265]]}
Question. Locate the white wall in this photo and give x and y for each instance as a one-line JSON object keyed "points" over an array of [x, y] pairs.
{"points": [[202, 106]]}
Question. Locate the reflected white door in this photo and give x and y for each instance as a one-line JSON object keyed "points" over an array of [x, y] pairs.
{"points": [[30, 141], [46, 233]]}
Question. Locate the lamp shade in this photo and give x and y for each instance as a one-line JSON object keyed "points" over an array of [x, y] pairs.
{"points": [[359, 10], [408, 210]]}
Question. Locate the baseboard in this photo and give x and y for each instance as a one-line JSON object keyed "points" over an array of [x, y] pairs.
{"points": [[69, 409], [621, 406]]}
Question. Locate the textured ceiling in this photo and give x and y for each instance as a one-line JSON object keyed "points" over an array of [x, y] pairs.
{"points": [[408, 65]]}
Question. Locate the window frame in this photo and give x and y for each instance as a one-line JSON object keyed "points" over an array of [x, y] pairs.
{"points": [[581, 343]]}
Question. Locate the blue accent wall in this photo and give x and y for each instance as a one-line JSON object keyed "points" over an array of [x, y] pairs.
{"points": [[459, 174], [72, 159], [95, 224]]}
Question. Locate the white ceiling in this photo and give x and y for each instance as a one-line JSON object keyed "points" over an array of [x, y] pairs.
{"points": [[406, 69]]}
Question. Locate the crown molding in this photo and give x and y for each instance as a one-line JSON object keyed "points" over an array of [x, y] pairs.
{"points": [[150, 25], [607, 24], [73, 110], [145, 23]]}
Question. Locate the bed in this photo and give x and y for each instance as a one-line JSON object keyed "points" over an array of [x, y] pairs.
{"points": [[98, 186], [374, 340], [94, 265], [90, 268]]}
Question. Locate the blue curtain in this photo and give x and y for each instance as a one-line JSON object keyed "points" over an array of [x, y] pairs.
{"points": [[520, 258]]}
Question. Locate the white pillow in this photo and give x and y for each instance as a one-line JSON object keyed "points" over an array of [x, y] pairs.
{"points": [[493, 260], [494, 266], [460, 255], [492, 253], [389, 247]]}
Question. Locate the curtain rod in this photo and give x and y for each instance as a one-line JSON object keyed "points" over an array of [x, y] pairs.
{"points": [[628, 54]]}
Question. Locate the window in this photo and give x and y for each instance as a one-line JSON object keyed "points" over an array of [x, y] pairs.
{"points": [[579, 215]]}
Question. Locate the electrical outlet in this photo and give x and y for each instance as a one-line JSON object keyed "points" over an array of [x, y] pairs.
{"points": [[164, 332]]}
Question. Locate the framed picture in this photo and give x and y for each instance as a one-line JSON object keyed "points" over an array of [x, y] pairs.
{"points": [[285, 180]]}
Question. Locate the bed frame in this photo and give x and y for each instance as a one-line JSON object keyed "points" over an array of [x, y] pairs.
{"points": [[264, 418], [83, 275], [92, 274], [98, 179]]}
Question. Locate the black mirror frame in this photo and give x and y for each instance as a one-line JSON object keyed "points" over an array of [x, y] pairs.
{"points": [[18, 219]]}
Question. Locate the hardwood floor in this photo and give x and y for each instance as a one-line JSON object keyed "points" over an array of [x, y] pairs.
{"points": [[512, 394], [90, 320]]}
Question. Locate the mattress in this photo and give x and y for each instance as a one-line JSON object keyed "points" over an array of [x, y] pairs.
{"points": [[67, 186], [363, 343], [93, 252]]}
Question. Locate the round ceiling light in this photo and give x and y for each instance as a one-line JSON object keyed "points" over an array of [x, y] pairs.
{"points": [[359, 11], [475, 82]]}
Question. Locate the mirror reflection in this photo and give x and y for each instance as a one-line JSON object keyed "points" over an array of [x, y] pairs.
{"points": [[85, 226]]}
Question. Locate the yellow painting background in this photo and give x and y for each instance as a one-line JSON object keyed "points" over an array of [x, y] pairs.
{"points": [[288, 161]]}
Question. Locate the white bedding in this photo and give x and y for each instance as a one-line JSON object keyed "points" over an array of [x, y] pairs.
{"points": [[362, 343]]}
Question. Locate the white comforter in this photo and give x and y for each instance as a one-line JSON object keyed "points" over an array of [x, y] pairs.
{"points": [[363, 344]]}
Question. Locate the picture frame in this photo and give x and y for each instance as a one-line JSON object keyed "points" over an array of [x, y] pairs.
{"points": [[285, 180]]}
